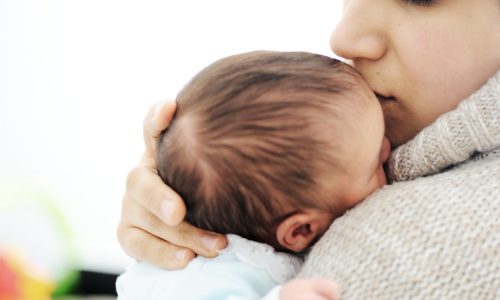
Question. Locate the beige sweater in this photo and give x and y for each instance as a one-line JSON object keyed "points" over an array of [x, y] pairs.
{"points": [[435, 232]]}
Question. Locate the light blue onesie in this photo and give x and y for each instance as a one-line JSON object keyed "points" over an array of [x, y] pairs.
{"points": [[244, 270]]}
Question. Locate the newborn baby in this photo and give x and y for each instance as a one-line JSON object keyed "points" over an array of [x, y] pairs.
{"points": [[269, 148]]}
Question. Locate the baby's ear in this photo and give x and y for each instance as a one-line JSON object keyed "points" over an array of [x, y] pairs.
{"points": [[298, 231]]}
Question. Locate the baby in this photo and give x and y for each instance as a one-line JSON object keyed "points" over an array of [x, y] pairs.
{"points": [[269, 148]]}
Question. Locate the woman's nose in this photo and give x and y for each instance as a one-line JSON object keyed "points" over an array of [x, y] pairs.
{"points": [[360, 33]]}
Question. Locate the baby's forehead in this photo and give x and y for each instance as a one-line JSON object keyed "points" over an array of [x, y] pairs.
{"points": [[353, 97], [343, 115]]}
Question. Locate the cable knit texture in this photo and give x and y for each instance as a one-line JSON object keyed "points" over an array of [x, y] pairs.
{"points": [[473, 127], [435, 232]]}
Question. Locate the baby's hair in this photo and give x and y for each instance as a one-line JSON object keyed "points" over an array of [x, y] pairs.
{"points": [[251, 138]]}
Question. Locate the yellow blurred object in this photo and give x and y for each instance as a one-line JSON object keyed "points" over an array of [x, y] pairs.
{"points": [[22, 280], [37, 256]]}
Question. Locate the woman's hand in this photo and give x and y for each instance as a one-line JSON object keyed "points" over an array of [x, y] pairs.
{"points": [[151, 227], [311, 289]]}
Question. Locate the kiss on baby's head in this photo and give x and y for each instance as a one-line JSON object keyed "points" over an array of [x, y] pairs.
{"points": [[259, 143]]}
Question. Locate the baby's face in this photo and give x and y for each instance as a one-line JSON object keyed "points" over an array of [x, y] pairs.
{"points": [[365, 150]]}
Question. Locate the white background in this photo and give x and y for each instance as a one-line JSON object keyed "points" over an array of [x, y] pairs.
{"points": [[77, 78]]}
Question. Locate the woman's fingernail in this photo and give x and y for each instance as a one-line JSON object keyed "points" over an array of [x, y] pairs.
{"points": [[167, 209], [210, 241], [155, 115], [181, 254], [157, 112]]}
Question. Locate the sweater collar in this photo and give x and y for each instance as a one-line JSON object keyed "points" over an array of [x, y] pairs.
{"points": [[472, 128]]}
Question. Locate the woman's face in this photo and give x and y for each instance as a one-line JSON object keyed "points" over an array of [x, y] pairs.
{"points": [[421, 57]]}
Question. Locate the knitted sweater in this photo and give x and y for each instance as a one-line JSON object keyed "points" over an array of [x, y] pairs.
{"points": [[435, 232]]}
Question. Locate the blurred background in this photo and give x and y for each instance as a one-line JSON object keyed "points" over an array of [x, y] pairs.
{"points": [[76, 80]]}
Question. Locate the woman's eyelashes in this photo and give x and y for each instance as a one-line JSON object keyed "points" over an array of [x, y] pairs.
{"points": [[420, 2]]}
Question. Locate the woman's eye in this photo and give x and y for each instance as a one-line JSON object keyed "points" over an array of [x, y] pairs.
{"points": [[420, 2]]}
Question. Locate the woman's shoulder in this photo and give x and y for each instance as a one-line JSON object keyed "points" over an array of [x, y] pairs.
{"points": [[418, 237]]}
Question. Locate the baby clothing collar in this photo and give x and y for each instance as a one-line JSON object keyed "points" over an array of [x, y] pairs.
{"points": [[279, 265]]}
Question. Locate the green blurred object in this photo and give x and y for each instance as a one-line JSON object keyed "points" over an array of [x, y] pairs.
{"points": [[34, 227]]}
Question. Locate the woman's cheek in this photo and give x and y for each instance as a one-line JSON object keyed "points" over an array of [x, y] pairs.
{"points": [[433, 92], [440, 70]]}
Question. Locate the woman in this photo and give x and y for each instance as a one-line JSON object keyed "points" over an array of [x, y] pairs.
{"points": [[422, 58]]}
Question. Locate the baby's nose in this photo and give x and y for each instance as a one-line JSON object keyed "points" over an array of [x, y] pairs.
{"points": [[385, 151]]}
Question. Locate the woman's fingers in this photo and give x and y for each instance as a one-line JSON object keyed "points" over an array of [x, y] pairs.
{"points": [[314, 288], [157, 120], [151, 226], [183, 235], [326, 288], [144, 181], [146, 236], [144, 246], [146, 187]]}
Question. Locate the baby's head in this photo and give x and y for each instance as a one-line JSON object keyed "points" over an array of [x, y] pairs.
{"points": [[273, 146]]}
